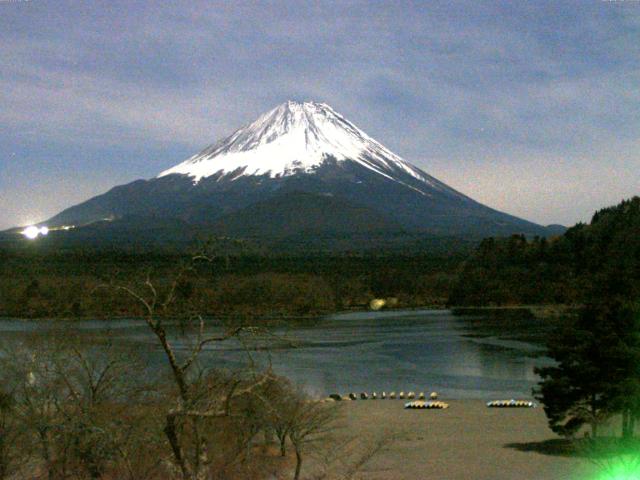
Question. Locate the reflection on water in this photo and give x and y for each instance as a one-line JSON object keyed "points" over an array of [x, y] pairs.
{"points": [[459, 356]]}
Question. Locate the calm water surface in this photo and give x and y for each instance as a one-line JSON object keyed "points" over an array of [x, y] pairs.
{"points": [[460, 356]]}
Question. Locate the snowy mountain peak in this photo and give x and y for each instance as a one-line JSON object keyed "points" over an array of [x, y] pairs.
{"points": [[299, 172], [294, 137]]}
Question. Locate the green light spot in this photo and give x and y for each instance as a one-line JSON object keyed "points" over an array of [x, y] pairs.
{"points": [[625, 467]]}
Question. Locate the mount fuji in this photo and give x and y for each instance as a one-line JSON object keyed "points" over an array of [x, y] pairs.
{"points": [[299, 170]]}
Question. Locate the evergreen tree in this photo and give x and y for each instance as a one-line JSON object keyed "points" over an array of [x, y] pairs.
{"points": [[598, 369]]}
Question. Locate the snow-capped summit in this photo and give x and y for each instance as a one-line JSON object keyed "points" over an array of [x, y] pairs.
{"points": [[294, 137]]}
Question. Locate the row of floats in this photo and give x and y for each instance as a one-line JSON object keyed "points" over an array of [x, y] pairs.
{"points": [[511, 404], [383, 396], [432, 403], [493, 404], [419, 404]]}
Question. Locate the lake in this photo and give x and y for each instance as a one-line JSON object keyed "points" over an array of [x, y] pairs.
{"points": [[482, 355]]}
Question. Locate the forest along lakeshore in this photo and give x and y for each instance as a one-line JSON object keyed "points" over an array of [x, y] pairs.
{"points": [[218, 365]]}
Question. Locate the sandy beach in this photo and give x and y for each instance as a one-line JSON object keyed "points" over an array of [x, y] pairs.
{"points": [[465, 441]]}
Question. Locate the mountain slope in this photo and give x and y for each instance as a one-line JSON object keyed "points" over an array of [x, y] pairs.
{"points": [[303, 213], [303, 148]]}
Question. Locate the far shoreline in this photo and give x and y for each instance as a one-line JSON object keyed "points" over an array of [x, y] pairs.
{"points": [[545, 311]]}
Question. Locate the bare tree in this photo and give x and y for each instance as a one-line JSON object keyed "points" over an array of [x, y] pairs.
{"points": [[69, 397], [12, 457], [280, 402], [312, 423], [139, 445], [37, 393], [198, 399], [98, 388]]}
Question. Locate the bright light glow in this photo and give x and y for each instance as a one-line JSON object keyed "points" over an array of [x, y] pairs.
{"points": [[31, 232], [620, 468]]}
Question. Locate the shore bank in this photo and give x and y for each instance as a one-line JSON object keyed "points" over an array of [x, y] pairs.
{"points": [[466, 441]]}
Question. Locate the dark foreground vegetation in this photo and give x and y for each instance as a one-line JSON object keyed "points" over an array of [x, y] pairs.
{"points": [[72, 412]]}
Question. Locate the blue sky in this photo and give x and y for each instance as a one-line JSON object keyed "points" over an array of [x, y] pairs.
{"points": [[531, 107]]}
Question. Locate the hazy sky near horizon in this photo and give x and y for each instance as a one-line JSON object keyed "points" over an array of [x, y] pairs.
{"points": [[531, 107]]}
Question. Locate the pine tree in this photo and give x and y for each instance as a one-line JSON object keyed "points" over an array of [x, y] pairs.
{"points": [[598, 369]]}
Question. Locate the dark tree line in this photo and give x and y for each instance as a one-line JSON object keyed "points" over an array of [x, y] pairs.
{"points": [[588, 261], [35, 284], [597, 351]]}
